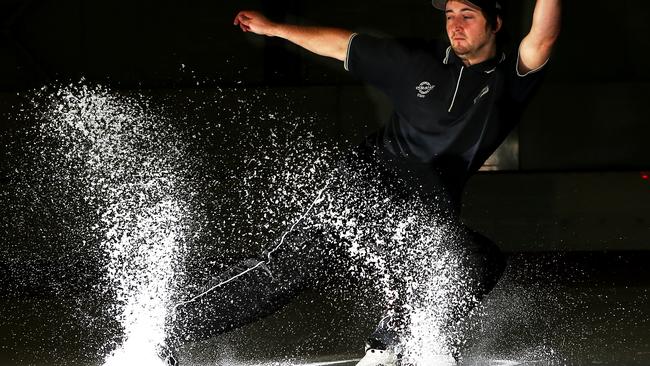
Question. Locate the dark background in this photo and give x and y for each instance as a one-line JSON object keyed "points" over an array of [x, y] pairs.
{"points": [[582, 144], [576, 186]]}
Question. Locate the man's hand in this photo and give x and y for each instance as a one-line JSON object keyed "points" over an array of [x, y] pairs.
{"points": [[253, 21]]}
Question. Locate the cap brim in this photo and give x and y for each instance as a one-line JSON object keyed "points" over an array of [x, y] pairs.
{"points": [[442, 4], [439, 4]]}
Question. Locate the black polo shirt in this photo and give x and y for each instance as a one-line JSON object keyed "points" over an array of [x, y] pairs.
{"points": [[447, 115]]}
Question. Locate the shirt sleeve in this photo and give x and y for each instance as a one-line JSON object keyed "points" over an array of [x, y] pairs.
{"points": [[523, 85], [379, 62]]}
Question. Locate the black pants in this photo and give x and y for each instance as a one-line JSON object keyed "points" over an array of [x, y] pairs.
{"points": [[300, 263]]}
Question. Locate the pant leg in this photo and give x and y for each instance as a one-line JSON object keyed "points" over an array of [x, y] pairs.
{"points": [[481, 264], [479, 261], [308, 257], [485, 263], [269, 285]]}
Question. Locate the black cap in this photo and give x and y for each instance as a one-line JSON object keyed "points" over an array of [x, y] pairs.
{"points": [[489, 6]]}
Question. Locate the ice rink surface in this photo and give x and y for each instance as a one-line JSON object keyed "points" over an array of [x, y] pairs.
{"points": [[549, 309]]}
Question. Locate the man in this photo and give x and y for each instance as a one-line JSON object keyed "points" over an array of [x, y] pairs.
{"points": [[454, 105]]}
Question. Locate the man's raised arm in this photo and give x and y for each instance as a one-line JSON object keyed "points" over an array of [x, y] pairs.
{"points": [[536, 47], [330, 42]]}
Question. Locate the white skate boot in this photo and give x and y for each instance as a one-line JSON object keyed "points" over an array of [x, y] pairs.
{"points": [[378, 357]]}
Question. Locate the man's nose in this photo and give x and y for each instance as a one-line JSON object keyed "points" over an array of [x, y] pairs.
{"points": [[455, 25]]}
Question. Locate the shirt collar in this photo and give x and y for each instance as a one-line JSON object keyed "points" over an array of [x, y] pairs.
{"points": [[487, 66]]}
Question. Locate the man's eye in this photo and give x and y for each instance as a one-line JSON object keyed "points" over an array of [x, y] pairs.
{"points": [[468, 17]]}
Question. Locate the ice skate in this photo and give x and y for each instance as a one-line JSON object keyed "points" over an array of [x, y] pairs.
{"points": [[378, 357]]}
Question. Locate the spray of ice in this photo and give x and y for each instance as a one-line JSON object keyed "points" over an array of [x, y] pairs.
{"points": [[130, 168], [412, 253], [108, 172]]}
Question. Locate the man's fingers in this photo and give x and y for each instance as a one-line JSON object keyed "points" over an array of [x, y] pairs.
{"points": [[241, 18], [244, 27], [244, 20]]}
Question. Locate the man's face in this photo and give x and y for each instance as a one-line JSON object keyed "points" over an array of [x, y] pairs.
{"points": [[467, 28]]}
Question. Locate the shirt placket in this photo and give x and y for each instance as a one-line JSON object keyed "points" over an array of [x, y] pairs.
{"points": [[453, 100]]}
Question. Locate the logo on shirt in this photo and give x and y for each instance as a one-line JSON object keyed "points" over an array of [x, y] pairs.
{"points": [[482, 93], [424, 88]]}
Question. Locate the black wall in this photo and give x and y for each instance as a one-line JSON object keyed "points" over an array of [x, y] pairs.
{"points": [[590, 115]]}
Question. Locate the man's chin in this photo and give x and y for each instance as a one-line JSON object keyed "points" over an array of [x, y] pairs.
{"points": [[459, 50]]}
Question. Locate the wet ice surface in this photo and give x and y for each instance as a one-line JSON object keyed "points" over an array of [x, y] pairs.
{"points": [[119, 209], [571, 307]]}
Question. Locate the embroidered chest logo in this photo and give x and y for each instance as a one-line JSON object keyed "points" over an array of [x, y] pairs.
{"points": [[424, 88]]}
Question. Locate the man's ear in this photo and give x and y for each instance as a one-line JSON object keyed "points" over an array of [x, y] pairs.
{"points": [[499, 23]]}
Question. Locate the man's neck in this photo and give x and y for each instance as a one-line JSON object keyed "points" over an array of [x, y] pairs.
{"points": [[483, 54]]}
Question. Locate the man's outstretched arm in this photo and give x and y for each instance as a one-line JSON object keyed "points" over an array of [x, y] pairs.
{"points": [[536, 47], [330, 42]]}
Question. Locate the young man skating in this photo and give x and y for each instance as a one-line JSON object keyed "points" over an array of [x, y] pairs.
{"points": [[454, 104]]}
